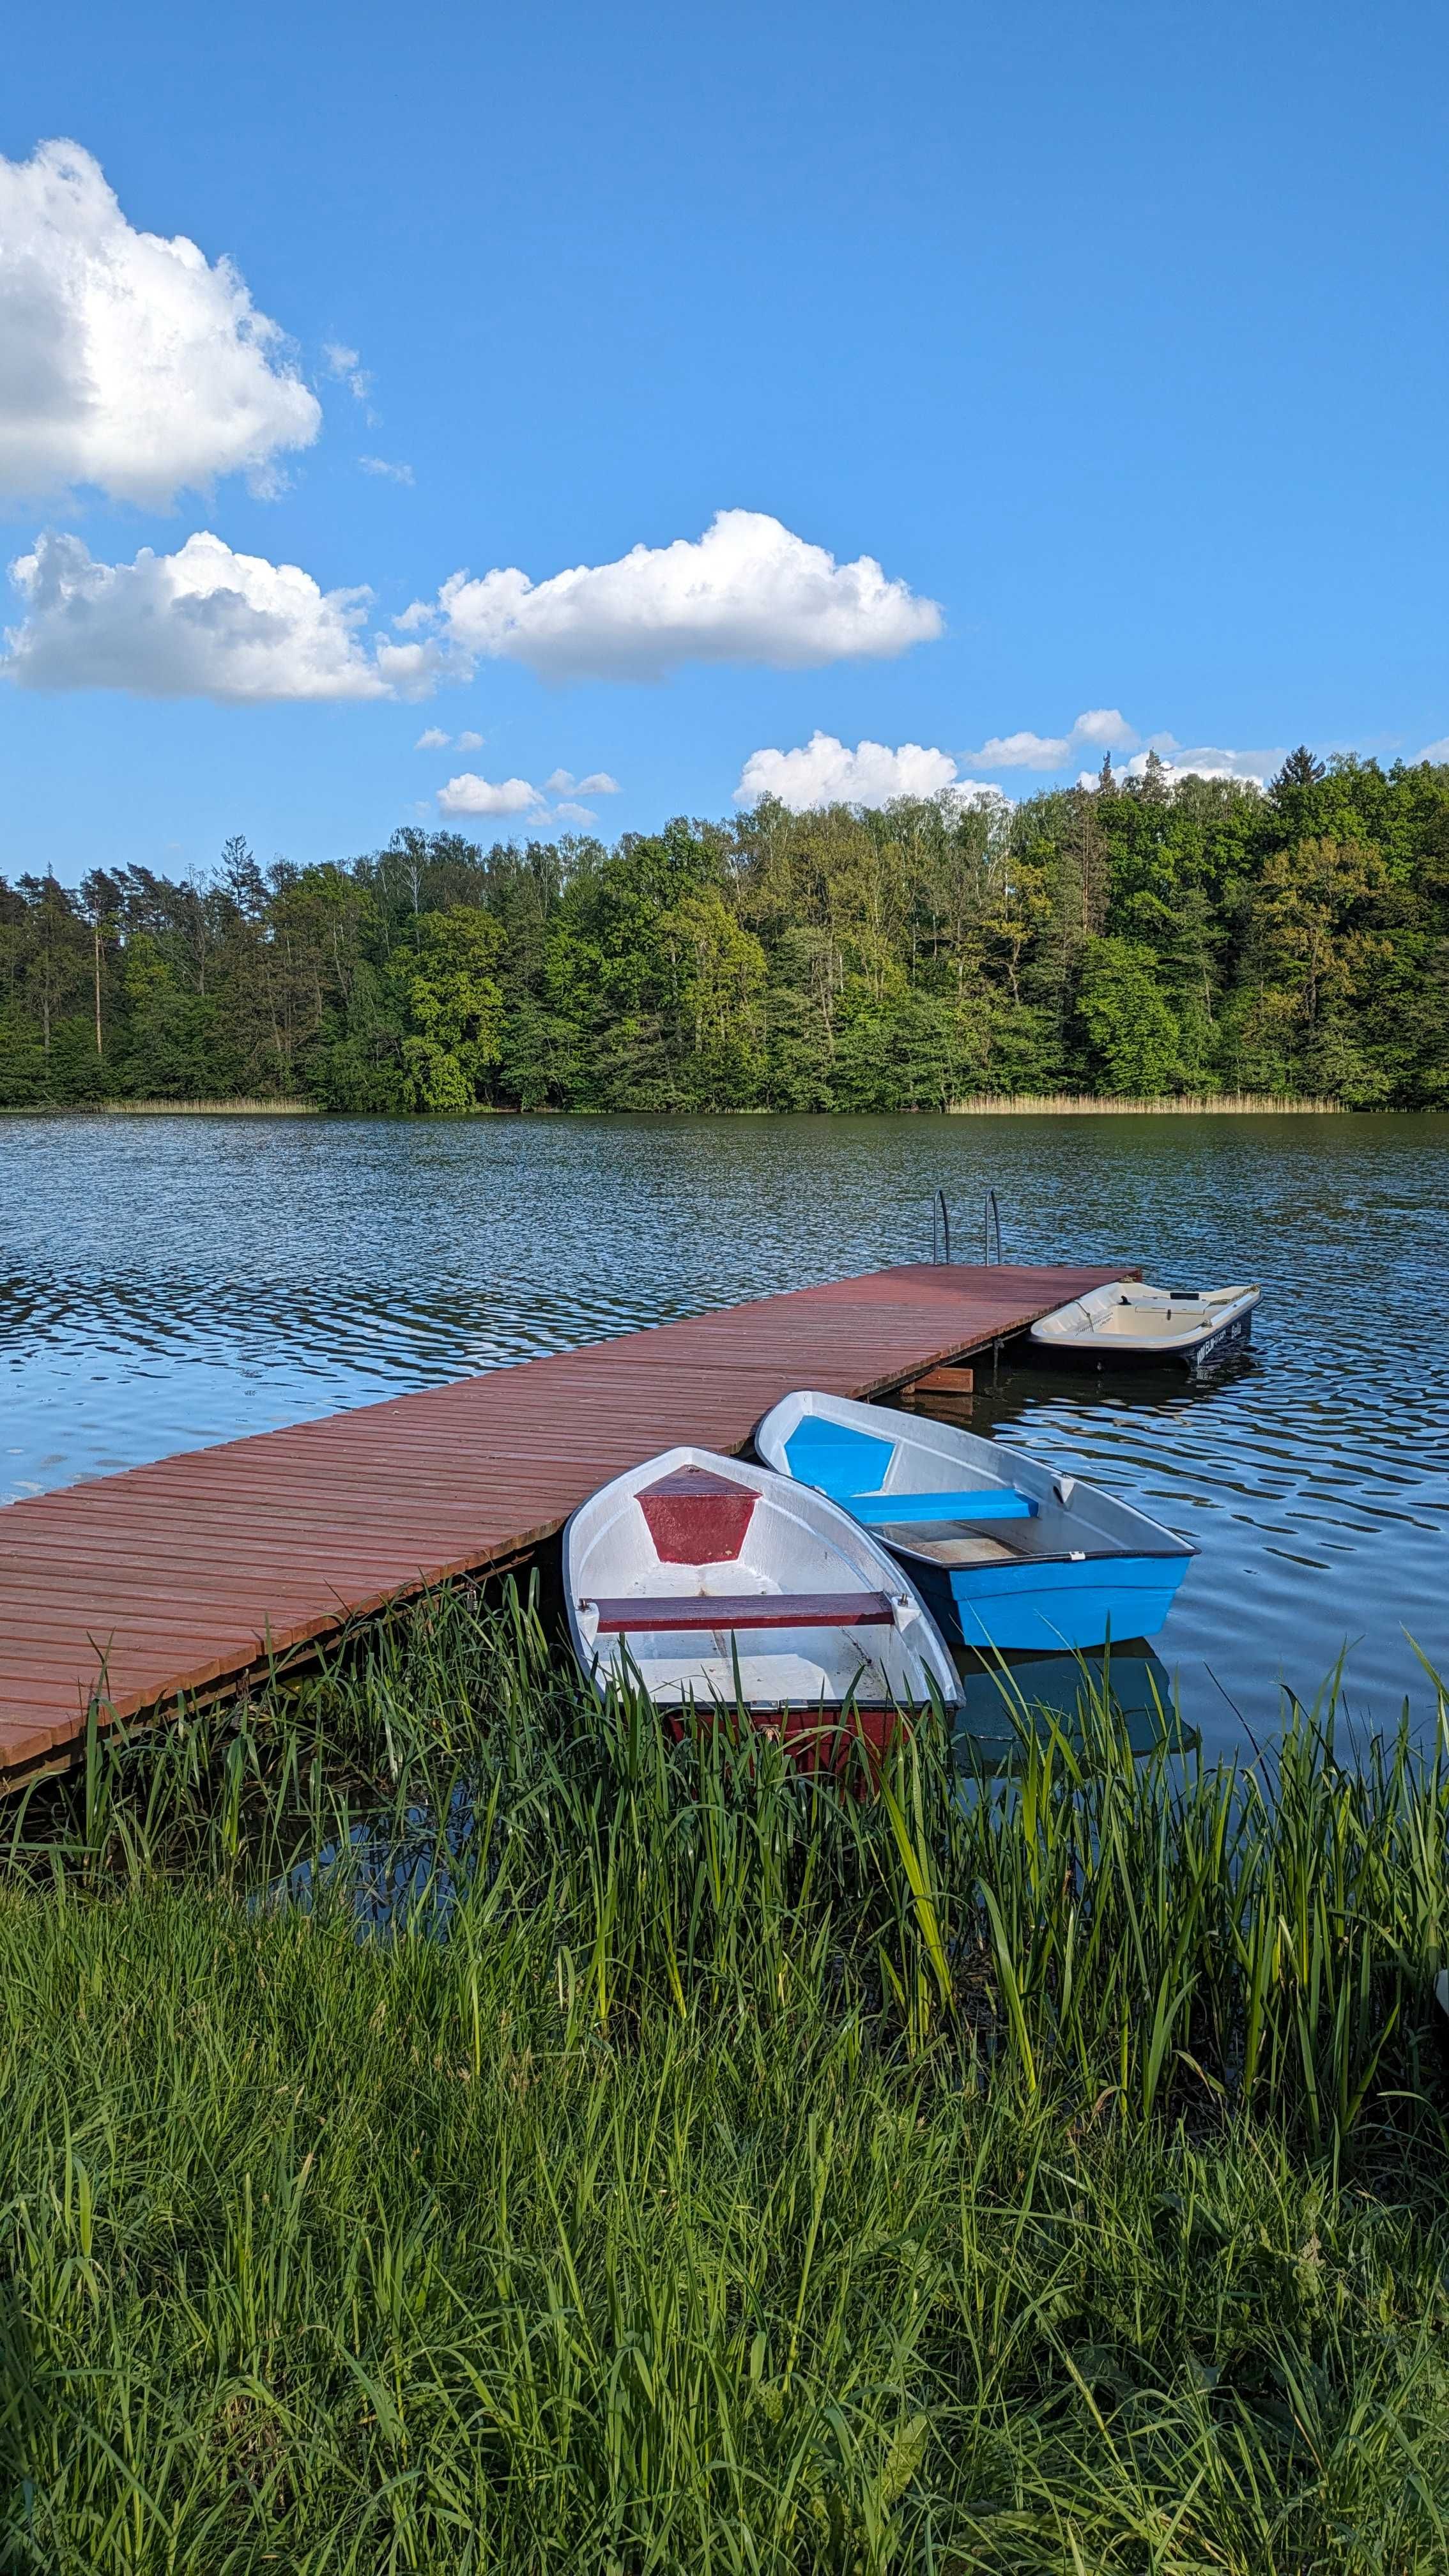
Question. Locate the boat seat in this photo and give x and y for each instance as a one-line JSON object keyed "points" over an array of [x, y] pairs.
{"points": [[681, 1611], [977, 1503]]}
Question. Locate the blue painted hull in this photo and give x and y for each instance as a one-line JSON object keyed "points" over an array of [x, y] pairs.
{"points": [[1043, 1609]]}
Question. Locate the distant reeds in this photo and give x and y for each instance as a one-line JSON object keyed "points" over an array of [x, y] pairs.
{"points": [[210, 1108], [448, 2125], [1070, 1104]]}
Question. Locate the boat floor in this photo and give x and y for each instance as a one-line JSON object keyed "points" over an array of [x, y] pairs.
{"points": [[963, 1546]]}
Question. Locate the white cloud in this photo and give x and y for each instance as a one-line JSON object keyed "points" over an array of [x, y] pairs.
{"points": [[344, 365], [469, 794], [826, 772], [746, 591], [380, 465], [1099, 728], [598, 783], [1105, 729], [204, 622], [569, 813], [1254, 768], [470, 742], [1436, 751], [433, 738], [128, 361]]}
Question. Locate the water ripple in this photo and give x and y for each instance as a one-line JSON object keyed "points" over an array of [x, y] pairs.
{"points": [[167, 1283]]}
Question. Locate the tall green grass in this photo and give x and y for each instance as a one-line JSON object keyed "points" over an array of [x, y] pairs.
{"points": [[451, 2126]]}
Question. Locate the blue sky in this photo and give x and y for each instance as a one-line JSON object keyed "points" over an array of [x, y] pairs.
{"points": [[1116, 332]]}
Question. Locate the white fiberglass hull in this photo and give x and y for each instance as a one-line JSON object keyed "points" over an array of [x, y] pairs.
{"points": [[1128, 1320], [711, 1581]]}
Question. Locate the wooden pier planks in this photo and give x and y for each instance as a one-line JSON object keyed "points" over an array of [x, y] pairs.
{"points": [[182, 1575]]}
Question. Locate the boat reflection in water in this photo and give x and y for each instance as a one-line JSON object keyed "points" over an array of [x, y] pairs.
{"points": [[1005, 1700]]}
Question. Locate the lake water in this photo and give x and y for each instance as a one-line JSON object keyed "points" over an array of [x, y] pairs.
{"points": [[168, 1282]]}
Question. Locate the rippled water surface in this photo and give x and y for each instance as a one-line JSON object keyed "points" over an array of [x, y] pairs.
{"points": [[169, 1282]]}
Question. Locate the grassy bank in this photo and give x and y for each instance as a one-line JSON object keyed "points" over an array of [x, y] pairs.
{"points": [[703, 2167]]}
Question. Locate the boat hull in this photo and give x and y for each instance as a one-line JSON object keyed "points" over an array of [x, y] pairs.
{"points": [[1137, 1327], [1049, 1609]]}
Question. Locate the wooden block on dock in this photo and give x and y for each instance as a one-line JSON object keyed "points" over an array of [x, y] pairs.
{"points": [[944, 1381]]}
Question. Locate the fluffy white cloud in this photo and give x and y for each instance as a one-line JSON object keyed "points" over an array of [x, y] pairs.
{"points": [[570, 813], [1436, 751], [746, 591], [204, 622], [1254, 768], [432, 738], [827, 772], [598, 783], [469, 794], [380, 465], [1098, 729], [470, 742], [1105, 729], [128, 361]]}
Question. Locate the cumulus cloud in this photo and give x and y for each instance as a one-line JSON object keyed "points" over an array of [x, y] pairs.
{"points": [[598, 783], [128, 361], [380, 465], [1105, 729], [432, 738], [470, 742], [469, 794], [1098, 729], [1253, 768], [746, 591], [1436, 751], [204, 622], [827, 772]]}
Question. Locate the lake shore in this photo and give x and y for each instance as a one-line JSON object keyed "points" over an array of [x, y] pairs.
{"points": [[699, 2155]]}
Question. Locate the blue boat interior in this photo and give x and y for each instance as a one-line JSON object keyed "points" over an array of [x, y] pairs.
{"points": [[851, 1466], [841, 1461], [996, 1568]]}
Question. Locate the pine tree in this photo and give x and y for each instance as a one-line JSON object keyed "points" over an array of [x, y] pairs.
{"points": [[1300, 769]]}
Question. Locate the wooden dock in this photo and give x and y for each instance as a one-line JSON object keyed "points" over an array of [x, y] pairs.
{"points": [[129, 1591]]}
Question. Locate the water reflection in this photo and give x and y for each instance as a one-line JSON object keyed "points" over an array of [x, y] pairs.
{"points": [[1004, 1700]]}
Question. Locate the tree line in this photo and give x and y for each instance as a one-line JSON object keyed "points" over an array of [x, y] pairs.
{"points": [[1137, 937]]}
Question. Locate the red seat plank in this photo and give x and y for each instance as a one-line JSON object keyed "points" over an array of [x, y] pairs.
{"points": [[708, 1610]]}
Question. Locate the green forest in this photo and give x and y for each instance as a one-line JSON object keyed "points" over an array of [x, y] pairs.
{"points": [[1135, 938]]}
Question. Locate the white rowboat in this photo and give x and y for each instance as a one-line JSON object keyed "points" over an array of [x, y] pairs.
{"points": [[1128, 1320], [711, 1581]]}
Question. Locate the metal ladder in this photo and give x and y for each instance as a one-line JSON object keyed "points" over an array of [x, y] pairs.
{"points": [[941, 1229]]}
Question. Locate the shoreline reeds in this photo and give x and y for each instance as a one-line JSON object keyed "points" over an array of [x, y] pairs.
{"points": [[450, 2124], [1086, 1104]]}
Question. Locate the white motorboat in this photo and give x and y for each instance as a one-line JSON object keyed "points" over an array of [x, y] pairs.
{"points": [[1129, 1321], [711, 1581]]}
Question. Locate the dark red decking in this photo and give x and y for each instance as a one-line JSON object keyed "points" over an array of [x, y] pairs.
{"points": [[176, 1577]]}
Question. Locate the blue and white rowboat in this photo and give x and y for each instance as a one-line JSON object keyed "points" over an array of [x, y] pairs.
{"points": [[1007, 1553]]}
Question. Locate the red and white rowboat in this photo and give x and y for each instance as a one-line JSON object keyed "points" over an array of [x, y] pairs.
{"points": [[713, 1581]]}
